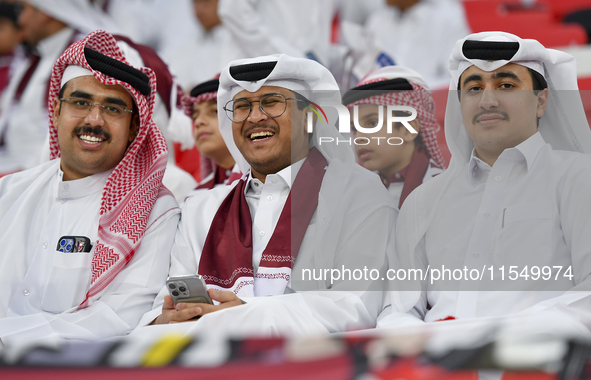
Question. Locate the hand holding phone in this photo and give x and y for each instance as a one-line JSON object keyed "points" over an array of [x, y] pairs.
{"points": [[190, 288]]}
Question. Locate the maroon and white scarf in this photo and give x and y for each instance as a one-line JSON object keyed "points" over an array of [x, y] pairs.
{"points": [[136, 182], [226, 260]]}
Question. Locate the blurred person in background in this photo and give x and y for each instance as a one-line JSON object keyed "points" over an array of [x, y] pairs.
{"points": [[11, 52], [420, 34], [198, 59], [216, 161], [49, 27]]}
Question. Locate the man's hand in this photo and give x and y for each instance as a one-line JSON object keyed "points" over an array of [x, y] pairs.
{"points": [[186, 311]]}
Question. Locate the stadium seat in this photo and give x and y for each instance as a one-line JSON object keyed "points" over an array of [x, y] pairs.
{"points": [[536, 22]]}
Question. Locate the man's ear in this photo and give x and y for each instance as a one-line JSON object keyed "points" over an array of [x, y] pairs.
{"points": [[542, 102], [407, 136], [56, 110], [134, 127]]}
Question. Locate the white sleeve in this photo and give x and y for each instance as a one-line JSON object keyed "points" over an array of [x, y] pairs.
{"points": [[575, 208], [182, 262], [350, 302], [250, 32], [122, 303], [407, 303]]}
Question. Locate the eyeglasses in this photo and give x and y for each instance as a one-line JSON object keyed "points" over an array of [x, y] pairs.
{"points": [[79, 107], [272, 105]]}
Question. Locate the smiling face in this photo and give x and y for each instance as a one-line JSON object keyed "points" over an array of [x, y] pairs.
{"points": [[89, 144], [504, 117], [206, 132], [378, 155], [270, 144]]}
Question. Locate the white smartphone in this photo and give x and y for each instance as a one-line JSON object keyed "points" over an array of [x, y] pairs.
{"points": [[190, 288]]}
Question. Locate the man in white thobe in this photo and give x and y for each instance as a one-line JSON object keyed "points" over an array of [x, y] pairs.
{"points": [[86, 237], [513, 207], [235, 236]]}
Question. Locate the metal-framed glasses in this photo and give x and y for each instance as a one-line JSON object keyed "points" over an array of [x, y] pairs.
{"points": [[272, 105], [80, 107]]}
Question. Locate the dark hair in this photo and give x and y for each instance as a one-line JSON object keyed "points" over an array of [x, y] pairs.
{"points": [[301, 105], [61, 95], [538, 82]]}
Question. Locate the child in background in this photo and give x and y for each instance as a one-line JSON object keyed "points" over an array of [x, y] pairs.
{"points": [[404, 160]]}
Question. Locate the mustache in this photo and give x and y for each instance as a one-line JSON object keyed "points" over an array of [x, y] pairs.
{"points": [[96, 131], [500, 113]]}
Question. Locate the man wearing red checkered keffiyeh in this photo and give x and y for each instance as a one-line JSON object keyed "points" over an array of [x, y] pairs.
{"points": [[404, 160], [86, 237]]}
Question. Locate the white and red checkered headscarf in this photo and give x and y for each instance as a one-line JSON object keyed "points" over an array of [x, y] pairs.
{"points": [[135, 183], [420, 99]]}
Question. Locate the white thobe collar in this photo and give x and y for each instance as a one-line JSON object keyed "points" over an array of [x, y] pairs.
{"points": [[82, 187], [285, 174], [526, 151], [49, 45]]}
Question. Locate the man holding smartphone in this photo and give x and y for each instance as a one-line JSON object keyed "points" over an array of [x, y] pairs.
{"points": [[85, 237], [302, 206]]}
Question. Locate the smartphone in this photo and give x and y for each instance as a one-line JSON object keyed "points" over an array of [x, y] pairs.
{"points": [[73, 244], [190, 288]]}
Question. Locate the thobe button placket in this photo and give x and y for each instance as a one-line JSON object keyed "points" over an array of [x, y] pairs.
{"points": [[44, 245], [26, 292], [274, 180], [270, 197], [65, 193], [498, 178], [262, 233]]}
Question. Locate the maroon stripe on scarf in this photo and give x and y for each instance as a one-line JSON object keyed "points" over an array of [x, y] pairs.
{"points": [[219, 177], [227, 252], [27, 76], [302, 200], [416, 171]]}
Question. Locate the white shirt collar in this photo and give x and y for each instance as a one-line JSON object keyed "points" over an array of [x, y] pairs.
{"points": [[82, 187], [527, 150], [285, 174]]}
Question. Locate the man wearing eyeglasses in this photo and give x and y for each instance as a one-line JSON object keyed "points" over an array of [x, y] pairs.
{"points": [[86, 237], [301, 208]]}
